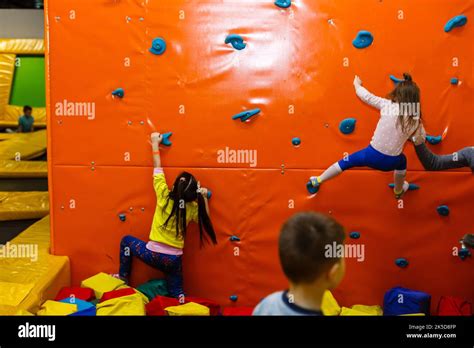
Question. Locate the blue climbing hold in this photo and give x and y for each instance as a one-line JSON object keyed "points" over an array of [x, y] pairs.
{"points": [[209, 194], [158, 46], [354, 235], [166, 139], [312, 186], [454, 81], [246, 115], [119, 93], [434, 140], [236, 41], [122, 217], [401, 262], [443, 210], [396, 79], [233, 298], [347, 126], [296, 141], [283, 3], [464, 253], [455, 22], [234, 239], [364, 39], [411, 187]]}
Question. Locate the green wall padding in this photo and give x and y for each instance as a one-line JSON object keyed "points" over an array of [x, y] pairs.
{"points": [[29, 86]]}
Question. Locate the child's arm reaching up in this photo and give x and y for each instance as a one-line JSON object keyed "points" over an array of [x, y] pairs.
{"points": [[156, 139], [368, 97]]}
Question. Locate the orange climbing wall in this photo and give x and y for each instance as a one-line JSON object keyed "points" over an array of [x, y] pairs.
{"points": [[293, 70]]}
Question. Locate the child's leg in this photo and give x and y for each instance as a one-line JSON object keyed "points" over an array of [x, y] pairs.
{"points": [[399, 176], [174, 280], [330, 173]]}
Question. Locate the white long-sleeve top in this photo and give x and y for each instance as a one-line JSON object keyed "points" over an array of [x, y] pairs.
{"points": [[388, 138]]}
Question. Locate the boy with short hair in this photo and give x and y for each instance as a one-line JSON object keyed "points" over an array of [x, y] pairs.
{"points": [[303, 248], [25, 122]]}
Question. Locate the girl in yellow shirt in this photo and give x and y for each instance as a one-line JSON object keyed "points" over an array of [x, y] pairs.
{"points": [[187, 201]]}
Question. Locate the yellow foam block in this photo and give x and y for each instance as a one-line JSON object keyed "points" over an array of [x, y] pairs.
{"points": [[22, 46], [329, 306], [24, 146], [125, 286], [23, 169], [23, 205], [102, 283], [14, 293], [188, 309], [126, 305], [7, 68], [361, 310], [413, 315], [56, 308]]}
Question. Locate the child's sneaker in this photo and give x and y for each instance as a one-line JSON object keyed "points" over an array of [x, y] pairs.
{"points": [[313, 185], [406, 187]]}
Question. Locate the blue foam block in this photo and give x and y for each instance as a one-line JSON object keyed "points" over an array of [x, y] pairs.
{"points": [[84, 308], [399, 301], [455, 22], [363, 39]]}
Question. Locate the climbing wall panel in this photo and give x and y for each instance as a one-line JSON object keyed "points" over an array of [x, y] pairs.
{"points": [[298, 68]]}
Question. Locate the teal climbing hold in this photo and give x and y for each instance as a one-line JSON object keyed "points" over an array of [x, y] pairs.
{"points": [[119, 93], [283, 3], [464, 253], [454, 81], [122, 217], [158, 46], [347, 126], [354, 235], [312, 186], [166, 139], [363, 39], [455, 22], [246, 115], [234, 239], [434, 140], [236, 41], [233, 298], [411, 187], [443, 210], [209, 194], [296, 141], [396, 79], [401, 262]]}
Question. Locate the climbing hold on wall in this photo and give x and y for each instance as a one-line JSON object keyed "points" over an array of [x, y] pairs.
{"points": [[283, 3], [443, 210], [364, 39], [209, 194], [166, 139], [236, 41], [122, 217], [158, 46], [354, 235], [401, 262], [312, 186], [347, 126], [455, 81], [455, 22], [434, 140], [234, 239], [246, 115], [119, 93], [412, 187], [233, 298], [395, 79], [464, 253], [296, 141]]}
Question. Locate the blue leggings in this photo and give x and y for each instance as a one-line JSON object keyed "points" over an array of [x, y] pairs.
{"points": [[369, 157], [170, 265]]}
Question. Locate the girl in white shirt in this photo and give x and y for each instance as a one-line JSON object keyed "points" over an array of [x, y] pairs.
{"points": [[400, 118]]}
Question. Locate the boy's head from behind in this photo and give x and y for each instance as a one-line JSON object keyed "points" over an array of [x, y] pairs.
{"points": [[27, 110], [304, 239]]}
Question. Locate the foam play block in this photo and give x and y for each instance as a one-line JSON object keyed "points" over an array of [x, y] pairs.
{"points": [[399, 301], [329, 305], [188, 309], [237, 311], [56, 308], [84, 308], [360, 310], [454, 306], [214, 307], [102, 283], [125, 286], [77, 292], [125, 305], [157, 306], [153, 288], [117, 293]]}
